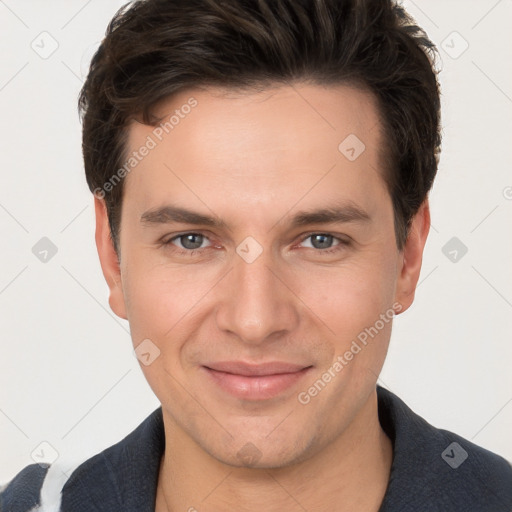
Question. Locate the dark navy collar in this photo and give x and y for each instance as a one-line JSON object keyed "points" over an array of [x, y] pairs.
{"points": [[437, 470], [124, 477]]}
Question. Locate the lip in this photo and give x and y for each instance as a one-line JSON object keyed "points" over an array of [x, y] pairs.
{"points": [[255, 381]]}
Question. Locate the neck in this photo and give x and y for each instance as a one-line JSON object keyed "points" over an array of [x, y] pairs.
{"points": [[350, 473]]}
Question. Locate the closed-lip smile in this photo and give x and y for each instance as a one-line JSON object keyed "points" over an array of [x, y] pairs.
{"points": [[252, 381]]}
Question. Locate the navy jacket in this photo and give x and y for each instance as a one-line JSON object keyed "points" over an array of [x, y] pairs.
{"points": [[433, 471]]}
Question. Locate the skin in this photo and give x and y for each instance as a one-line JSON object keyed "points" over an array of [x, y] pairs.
{"points": [[254, 160]]}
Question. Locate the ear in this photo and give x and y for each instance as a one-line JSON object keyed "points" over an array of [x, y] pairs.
{"points": [[411, 257], [108, 259]]}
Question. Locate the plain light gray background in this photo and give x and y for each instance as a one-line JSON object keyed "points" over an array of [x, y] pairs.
{"points": [[69, 379]]}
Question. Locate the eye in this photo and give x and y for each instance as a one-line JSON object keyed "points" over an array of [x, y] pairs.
{"points": [[324, 242], [188, 241]]}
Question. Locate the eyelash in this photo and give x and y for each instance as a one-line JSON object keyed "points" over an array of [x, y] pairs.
{"points": [[342, 243]]}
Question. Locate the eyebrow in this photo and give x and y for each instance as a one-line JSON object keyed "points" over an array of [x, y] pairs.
{"points": [[341, 214]]}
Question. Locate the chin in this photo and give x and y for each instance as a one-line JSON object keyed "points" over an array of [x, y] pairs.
{"points": [[262, 453]]}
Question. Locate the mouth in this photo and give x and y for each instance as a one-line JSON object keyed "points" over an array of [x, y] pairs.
{"points": [[255, 381]]}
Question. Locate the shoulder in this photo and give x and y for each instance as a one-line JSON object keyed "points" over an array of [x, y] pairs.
{"points": [[50, 487], [104, 481], [36, 488], [23, 491], [438, 468]]}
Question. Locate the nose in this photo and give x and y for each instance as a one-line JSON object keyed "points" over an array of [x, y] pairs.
{"points": [[257, 302]]}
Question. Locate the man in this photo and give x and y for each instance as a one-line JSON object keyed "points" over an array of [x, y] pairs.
{"points": [[261, 173]]}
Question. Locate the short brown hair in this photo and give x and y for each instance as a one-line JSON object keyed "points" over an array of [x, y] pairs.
{"points": [[155, 48]]}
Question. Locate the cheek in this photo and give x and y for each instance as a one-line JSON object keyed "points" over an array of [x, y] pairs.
{"points": [[165, 303], [355, 308], [349, 303], [155, 302], [158, 308], [349, 298]]}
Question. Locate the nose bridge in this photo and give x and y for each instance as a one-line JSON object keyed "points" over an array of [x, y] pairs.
{"points": [[256, 304]]}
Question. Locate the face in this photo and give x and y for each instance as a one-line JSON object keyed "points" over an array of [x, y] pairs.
{"points": [[259, 267]]}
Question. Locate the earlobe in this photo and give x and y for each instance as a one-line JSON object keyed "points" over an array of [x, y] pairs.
{"points": [[411, 257], [109, 260]]}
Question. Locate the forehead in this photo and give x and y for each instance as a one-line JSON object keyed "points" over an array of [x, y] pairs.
{"points": [[335, 110], [258, 146]]}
